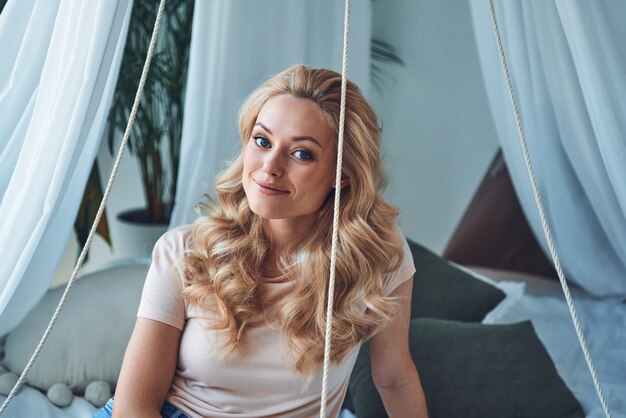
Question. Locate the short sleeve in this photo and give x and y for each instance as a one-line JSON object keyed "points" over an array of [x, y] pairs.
{"points": [[161, 298], [406, 269]]}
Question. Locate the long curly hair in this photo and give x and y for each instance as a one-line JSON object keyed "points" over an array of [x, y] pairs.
{"points": [[227, 245]]}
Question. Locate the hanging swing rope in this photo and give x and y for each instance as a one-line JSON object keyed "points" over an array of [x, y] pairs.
{"points": [[544, 223], [105, 197], [333, 255]]}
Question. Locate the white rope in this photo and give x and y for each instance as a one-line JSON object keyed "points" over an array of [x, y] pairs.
{"points": [[333, 255], [544, 223], [105, 197]]}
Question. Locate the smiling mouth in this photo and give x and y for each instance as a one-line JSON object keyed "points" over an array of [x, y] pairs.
{"points": [[268, 188]]}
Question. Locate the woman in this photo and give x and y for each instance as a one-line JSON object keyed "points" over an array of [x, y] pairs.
{"points": [[232, 316]]}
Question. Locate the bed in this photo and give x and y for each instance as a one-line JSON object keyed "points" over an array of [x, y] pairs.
{"points": [[524, 297], [603, 322]]}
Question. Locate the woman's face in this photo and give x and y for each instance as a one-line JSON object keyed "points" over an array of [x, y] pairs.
{"points": [[289, 161]]}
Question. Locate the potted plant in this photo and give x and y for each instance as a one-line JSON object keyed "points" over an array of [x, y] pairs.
{"points": [[156, 135], [92, 197]]}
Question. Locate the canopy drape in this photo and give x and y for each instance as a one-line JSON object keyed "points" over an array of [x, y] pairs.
{"points": [[568, 74], [59, 65]]}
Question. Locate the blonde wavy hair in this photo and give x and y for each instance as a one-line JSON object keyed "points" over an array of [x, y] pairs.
{"points": [[227, 246]]}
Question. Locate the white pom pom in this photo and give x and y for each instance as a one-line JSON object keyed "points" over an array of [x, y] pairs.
{"points": [[7, 382], [98, 393], [60, 395]]}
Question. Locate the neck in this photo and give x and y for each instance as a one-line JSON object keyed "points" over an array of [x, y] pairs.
{"points": [[283, 231]]}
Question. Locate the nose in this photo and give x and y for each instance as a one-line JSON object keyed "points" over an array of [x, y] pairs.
{"points": [[273, 164]]}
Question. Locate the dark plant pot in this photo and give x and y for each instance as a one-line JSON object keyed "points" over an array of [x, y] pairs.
{"points": [[134, 234], [138, 216]]}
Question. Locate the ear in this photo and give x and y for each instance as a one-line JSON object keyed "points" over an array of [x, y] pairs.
{"points": [[344, 182]]}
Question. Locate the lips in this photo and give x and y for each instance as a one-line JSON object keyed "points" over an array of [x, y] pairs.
{"points": [[270, 187]]}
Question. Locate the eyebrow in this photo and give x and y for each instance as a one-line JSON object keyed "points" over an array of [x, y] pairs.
{"points": [[295, 138]]}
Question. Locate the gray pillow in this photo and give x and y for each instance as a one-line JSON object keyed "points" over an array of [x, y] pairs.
{"points": [[89, 339], [475, 371], [440, 290]]}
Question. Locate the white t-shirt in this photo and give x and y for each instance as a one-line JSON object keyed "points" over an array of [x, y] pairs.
{"points": [[257, 379]]}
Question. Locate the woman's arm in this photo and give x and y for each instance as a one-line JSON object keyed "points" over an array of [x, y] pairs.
{"points": [[393, 370], [147, 369]]}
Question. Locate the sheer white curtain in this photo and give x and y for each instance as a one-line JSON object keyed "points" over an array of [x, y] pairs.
{"points": [[236, 45], [566, 59], [59, 63]]}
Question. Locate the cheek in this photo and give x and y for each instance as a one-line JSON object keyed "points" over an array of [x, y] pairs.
{"points": [[248, 159], [318, 184], [246, 171]]}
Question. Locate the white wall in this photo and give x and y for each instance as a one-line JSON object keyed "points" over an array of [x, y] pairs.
{"points": [[438, 136], [438, 133]]}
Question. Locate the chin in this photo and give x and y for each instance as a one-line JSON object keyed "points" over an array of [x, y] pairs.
{"points": [[265, 211]]}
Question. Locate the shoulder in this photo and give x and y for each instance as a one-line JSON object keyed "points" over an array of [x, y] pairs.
{"points": [[169, 253], [175, 240], [406, 268], [177, 233], [398, 238], [397, 233]]}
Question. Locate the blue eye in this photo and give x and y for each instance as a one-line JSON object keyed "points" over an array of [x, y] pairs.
{"points": [[261, 141], [303, 155]]}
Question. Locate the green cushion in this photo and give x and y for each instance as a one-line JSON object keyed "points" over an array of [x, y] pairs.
{"points": [[442, 291], [475, 370]]}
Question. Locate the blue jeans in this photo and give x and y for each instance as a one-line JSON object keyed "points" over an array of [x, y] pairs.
{"points": [[167, 411]]}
